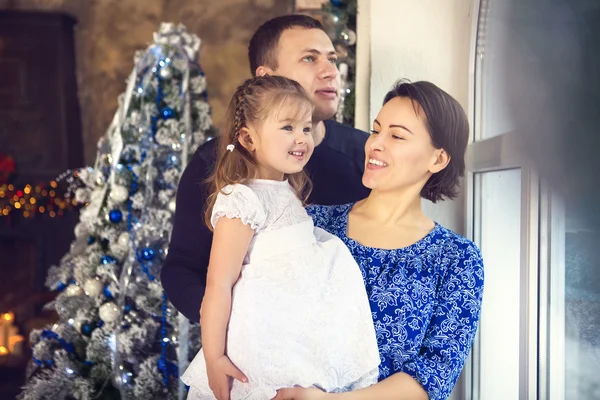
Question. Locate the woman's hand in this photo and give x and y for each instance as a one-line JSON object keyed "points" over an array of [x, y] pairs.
{"points": [[220, 371], [302, 394]]}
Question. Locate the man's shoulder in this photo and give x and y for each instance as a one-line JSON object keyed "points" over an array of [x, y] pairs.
{"points": [[206, 153]]}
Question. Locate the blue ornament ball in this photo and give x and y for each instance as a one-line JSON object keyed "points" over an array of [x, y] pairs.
{"points": [[61, 286], [107, 292], [148, 253], [108, 260], [115, 216], [336, 3], [91, 240], [167, 113], [88, 328]]}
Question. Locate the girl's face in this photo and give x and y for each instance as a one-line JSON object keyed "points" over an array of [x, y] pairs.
{"points": [[399, 152], [283, 144]]}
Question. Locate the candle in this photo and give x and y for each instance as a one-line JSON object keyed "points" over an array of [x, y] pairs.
{"points": [[15, 345], [6, 320], [3, 338]]}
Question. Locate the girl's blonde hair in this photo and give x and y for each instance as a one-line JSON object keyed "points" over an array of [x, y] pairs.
{"points": [[252, 103]]}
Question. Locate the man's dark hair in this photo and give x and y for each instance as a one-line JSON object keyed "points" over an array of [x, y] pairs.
{"points": [[448, 127], [262, 49]]}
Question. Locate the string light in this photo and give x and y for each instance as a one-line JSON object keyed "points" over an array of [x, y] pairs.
{"points": [[29, 200]]}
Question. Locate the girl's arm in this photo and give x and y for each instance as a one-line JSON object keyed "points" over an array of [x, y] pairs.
{"points": [[230, 243]]}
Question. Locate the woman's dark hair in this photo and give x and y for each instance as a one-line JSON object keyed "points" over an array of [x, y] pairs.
{"points": [[448, 127]]}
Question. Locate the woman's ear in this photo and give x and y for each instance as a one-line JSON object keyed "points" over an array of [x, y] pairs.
{"points": [[245, 139], [441, 161]]}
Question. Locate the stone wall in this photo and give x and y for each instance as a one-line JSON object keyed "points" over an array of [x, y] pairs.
{"points": [[110, 31]]}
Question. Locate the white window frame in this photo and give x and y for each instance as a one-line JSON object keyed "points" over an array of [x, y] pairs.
{"points": [[499, 153], [552, 296]]}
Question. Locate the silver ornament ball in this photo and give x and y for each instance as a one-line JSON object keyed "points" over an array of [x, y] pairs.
{"points": [[77, 324], [166, 73], [108, 312], [99, 178], [80, 230], [119, 193], [93, 287], [123, 239], [348, 36], [73, 290]]}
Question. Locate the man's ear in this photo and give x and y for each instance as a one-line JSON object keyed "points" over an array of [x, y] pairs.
{"points": [[245, 139], [263, 70]]}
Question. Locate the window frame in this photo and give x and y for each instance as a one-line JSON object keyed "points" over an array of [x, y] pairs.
{"points": [[499, 153]]}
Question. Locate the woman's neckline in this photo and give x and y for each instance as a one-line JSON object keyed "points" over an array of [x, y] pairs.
{"points": [[430, 234]]}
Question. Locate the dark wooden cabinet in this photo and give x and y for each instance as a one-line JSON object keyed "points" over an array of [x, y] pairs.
{"points": [[40, 128], [39, 111]]}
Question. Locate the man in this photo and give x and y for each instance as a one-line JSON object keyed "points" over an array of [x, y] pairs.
{"points": [[297, 47]]}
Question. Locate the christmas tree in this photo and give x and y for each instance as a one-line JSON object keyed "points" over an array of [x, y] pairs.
{"points": [[117, 335]]}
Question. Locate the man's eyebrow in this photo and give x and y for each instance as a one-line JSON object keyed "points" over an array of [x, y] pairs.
{"points": [[317, 52]]}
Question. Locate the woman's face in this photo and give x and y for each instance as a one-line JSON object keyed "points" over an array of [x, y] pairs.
{"points": [[399, 152]]}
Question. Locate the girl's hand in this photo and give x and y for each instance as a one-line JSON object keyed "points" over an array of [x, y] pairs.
{"points": [[302, 394], [220, 371]]}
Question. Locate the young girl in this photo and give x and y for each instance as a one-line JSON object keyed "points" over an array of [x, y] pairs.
{"points": [[285, 304]]}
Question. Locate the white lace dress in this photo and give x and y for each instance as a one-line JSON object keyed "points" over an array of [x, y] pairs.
{"points": [[300, 314]]}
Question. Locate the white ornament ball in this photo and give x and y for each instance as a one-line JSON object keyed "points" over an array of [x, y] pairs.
{"points": [[172, 205], [99, 178], [81, 195], [109, 312], [97, 196], [348, 36], [123, 239], [166, 73], [77, 324], [119, 193], [80, 230], [93, 287], [73, 290]]}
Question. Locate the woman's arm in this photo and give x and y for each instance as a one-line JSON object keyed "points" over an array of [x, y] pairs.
{"points": [[399, 386], [433, 372], [230, 244], [448, 338]]}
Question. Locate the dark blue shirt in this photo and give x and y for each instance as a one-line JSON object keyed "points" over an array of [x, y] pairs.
{"points": [[335, 168]]}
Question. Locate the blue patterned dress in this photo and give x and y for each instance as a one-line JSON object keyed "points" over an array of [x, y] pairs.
{"points": [[425, 300]]}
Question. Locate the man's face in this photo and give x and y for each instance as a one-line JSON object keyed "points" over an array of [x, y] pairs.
{"points": [[308, 57]]}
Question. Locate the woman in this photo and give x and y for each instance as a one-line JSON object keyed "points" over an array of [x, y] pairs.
{"points": [[424, 282]]}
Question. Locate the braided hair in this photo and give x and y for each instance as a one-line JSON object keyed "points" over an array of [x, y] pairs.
{"points": [[252, 103]]}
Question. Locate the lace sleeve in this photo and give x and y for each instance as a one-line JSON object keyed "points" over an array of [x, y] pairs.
{"points": [[239, 201]]}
